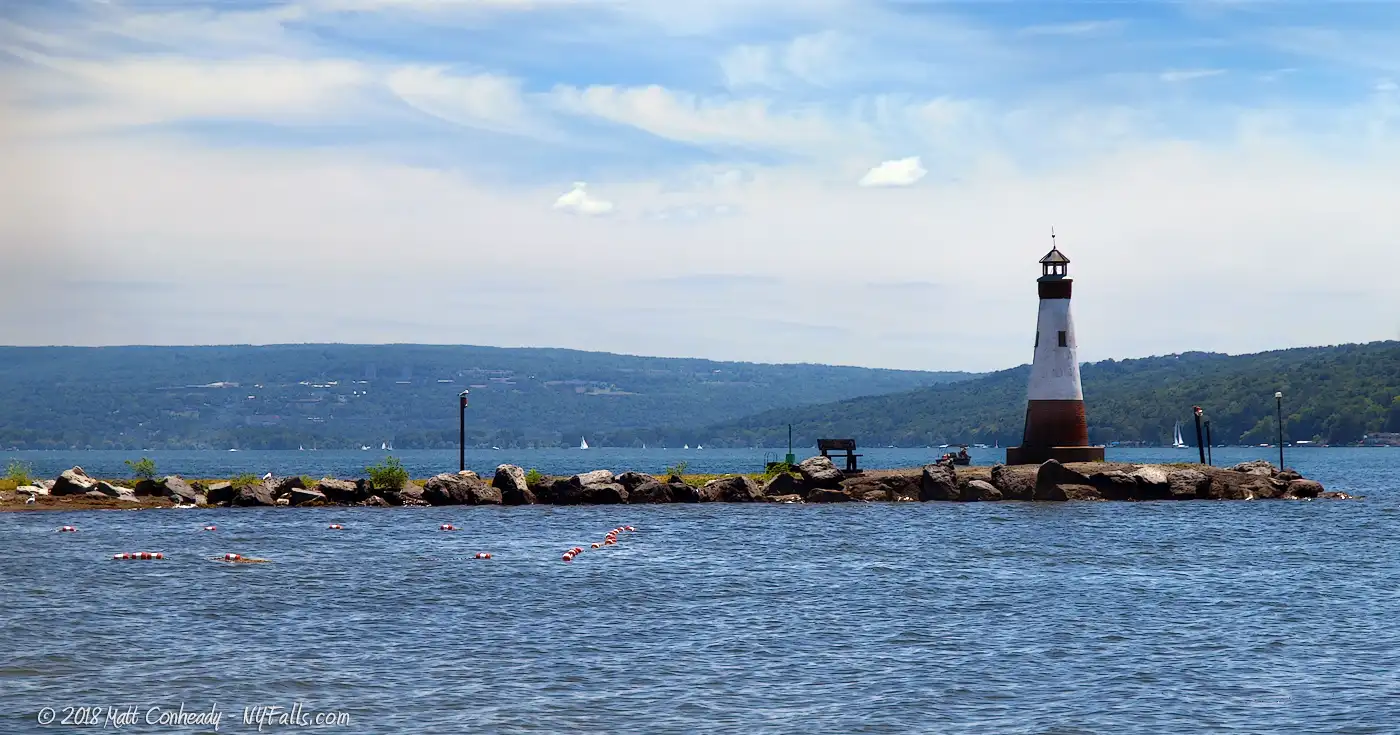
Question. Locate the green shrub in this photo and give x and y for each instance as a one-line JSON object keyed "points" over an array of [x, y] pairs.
{"points": [[309, 481], [778, 468], [20, 473], [677, 469], [387, 475], [142, 469], [245, 480], [533, 477]]}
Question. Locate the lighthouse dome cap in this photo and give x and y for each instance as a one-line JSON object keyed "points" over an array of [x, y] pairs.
{"points": [[1054, 257]]}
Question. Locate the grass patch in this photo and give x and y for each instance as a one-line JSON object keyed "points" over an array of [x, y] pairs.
{"points": [[19, 473]]}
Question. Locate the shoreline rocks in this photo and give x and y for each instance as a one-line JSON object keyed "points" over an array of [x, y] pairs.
{"points": [[816, 481]]}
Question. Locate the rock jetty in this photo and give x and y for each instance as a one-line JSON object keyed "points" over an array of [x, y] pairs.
{"points": [[815, 480]]}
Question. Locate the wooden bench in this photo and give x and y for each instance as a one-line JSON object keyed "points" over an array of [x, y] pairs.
{"points": [[840, 445]]}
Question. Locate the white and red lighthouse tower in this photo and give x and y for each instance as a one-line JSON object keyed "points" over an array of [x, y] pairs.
{"points": [[1056, 425]]}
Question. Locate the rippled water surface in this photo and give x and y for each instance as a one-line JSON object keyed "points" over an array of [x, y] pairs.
{"points": [[1258, 617]]}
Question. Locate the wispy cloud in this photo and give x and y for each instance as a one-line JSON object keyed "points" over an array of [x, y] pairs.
{"points": [[1080, 28], [1187, 75]]}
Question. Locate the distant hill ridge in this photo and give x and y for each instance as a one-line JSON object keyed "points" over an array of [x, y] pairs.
{"points": [[1334, 394], [346, 396]]}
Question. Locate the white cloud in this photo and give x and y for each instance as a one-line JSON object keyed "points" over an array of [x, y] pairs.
{"points": [[579, 201], [694, 119], [1186, 75], [899, 172], [486, 101]]}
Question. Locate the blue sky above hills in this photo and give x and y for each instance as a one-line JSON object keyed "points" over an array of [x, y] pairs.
{"points": [[852, 181]]}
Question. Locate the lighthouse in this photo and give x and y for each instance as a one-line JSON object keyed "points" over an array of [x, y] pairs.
{"points": [[1056, 425]]}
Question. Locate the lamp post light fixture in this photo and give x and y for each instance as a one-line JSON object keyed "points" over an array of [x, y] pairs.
{"points": [[1278, 398], [462, 431]]}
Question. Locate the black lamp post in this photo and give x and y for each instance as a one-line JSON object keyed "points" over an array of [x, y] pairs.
{"points": [[1200, 443], [1278, 398], [462, 432], [1209, 443]]}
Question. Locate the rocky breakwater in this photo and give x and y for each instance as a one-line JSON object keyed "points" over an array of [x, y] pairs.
{"points": [[815, 480]]}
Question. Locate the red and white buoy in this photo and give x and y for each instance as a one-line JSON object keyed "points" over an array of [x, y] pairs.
{"points": [[336, 527], [629, 528], [597, 546], [67, 529], [447, 527], [211, 527], [140, 555], [232, 557], [568, 556], [482, 555]]}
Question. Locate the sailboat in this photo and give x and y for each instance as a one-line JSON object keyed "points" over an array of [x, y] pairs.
{"points": [[582, 443], [383, 446], [1177, 443]]}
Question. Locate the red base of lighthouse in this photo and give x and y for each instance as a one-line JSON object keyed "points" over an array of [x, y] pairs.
{"points": [[1055, 430]]}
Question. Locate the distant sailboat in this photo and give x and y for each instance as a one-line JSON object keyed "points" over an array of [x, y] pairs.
{"points": [[686, 447], [383, 446], [300, 448], [582, 443], [1177, 443], [644, 445]]}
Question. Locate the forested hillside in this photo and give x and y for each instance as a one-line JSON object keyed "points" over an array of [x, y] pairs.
{"points": [[337, 396], [1331, 394]]}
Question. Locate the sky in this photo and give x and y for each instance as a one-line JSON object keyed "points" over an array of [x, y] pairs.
{"points": [[859, 182]]}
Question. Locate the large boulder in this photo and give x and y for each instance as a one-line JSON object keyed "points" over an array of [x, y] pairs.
{"points": [[633, 480], [1056, 482], [939, 482], [596, 477], [1115, 485], [732, 489], [342, 491], [651, 493], [219, 493], [283, 488], [1232, 485], [683, 493], [820, 472], [306, 496], [829, 495], [1255, 467], [179, 490], [1303, 489], [979, 491], [31, 490], [258, 494], [73, 482], [1187, 485], [151, 489], [515, 490], [1153, 483], [604, 493], [117, 491], [782, 483], [881, 488], [1015, 482], [457, 489]]}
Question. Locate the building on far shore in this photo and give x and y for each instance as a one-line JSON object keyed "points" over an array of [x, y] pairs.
{"points": [[1056, 424]]}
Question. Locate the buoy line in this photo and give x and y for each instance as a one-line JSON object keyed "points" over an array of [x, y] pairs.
{"points": [[239, 559], [140, 555], [609, 539], [67, 529]]}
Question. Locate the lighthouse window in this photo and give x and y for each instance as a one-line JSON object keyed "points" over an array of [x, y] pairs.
{"points": [[1063, 343]]}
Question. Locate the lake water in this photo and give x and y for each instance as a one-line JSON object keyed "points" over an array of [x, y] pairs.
{"points": [[1240, 617]]}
